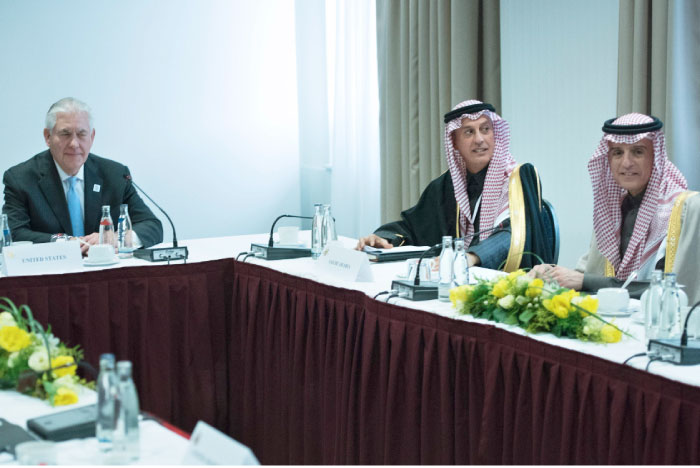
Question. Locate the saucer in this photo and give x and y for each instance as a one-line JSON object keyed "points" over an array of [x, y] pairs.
{"points": [[617, 313], [87, 262], [638, 317]]}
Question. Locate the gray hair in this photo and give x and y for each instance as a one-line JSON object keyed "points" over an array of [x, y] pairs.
{"points": [[67, 105]]}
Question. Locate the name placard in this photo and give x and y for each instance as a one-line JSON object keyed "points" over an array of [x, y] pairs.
{"points": [[344, 264], [209, 446], [41, 259]]}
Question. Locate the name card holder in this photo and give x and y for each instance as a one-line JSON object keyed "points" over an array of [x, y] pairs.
{"points": [[209, 446], [344, 264], [42, 259]]}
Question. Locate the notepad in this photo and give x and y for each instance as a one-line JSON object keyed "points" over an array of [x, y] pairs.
{"points": [[394, 254]]}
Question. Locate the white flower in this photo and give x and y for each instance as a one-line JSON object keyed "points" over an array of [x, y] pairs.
{"points": [[522, 300], [6, 319], [67, 381], [506, 302], [591, 325], [39, 360], [12, 358], [53, 342], [522, 281]]}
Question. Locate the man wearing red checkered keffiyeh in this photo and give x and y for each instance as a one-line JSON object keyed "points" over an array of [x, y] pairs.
{"points": [[635, 186], [471, 200]]}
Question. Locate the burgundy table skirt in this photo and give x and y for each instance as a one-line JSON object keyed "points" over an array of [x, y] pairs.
{"points": [[307, 373]]}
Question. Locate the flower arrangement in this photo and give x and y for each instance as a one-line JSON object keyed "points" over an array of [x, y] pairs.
{"points": [[536, 306], [35, 362]]}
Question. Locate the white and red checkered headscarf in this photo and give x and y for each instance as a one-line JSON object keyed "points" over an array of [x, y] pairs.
{"points": [[494, 197], [665, 183]]}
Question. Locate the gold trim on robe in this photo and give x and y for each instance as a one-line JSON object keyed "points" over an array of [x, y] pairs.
{"points": [[516, 206], [674, 229]]}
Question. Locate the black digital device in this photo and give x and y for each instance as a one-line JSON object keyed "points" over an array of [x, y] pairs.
{"points": [[75, 423]]}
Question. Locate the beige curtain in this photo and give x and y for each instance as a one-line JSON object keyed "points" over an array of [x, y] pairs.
{"points": [[644, 60], [431, 55]]}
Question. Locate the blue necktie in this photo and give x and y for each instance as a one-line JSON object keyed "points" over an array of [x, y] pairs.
{"points": [[76, 212]]}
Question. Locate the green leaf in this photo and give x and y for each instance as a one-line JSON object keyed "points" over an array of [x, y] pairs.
{"points": [[511, 319], [500, 315], [526, 316]]}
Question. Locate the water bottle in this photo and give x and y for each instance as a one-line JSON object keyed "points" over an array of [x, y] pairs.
{"points": [[670, 319], [317, 232], [6, 234], [126, 432], [446, 259], [328, 232], [460, 265], [106, 403], [106, 235], [651, 299], [124, 234]]}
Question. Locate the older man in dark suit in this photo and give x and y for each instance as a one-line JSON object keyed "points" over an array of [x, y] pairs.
{"points": [[63, 189]]}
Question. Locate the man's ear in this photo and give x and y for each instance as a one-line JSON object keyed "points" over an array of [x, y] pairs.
{"points": [[47, 134]]}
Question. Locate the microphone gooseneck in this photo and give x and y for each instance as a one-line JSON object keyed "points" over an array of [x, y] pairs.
{"points": [[684, 336], [131, 180], [416, 281], [271, 242]]}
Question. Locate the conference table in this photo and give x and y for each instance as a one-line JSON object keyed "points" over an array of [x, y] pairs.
{"points": [[304, 368]]}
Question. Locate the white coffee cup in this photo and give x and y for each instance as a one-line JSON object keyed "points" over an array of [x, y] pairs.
{"points": [[288, 235], [613, 300], [101, 253]]}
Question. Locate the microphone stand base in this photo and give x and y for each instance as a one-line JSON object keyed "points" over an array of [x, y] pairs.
{"points": [[278, 253], [671, 350], [162, 254], [425, 291]]}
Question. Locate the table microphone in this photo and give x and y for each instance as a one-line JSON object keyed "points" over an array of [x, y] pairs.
{"points": [[413, 290], [270, 252], [683, 352], [160, 254]]}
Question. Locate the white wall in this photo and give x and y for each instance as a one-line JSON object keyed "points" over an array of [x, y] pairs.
{"points": [[559, 84], [198, 98]]}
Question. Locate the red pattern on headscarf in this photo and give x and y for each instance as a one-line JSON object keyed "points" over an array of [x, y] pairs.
{"points": [[494, 197], [665, 183]]}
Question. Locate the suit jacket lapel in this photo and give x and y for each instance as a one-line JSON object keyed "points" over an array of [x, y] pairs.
{"points": [[93, 199], [52, 188]]}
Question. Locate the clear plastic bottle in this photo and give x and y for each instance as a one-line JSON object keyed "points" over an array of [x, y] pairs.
{"points": [[107, 235], [317, 232], [106, 403], [328, 224], [124, 233], [126, 433], [460, 265], [652, 305], [670, 318], [6, 234], [446, 259]]}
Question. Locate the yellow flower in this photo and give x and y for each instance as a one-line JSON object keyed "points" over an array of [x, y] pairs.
{"points": [[65, 396], [512, 276], [500, 289], [535, 288], [13, 338], [61, 361], [460, 294], [589, 304], [558, 305], [610, 334]]}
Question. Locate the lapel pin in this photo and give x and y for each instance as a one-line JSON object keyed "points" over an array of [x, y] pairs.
{"points": [[96, 188]]}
